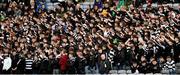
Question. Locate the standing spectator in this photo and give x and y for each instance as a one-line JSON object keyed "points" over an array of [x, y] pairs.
{"points": [[15, 61], [29, 63], [36, 64], [56, 66], [7, 63], [104, 65], [71, 64], [43, 64], [63, 62], [80, 63], [120, 56], [21, 64], [50, 64], [176, 49]]}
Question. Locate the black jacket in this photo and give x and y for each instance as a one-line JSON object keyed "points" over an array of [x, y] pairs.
{"points": [[15, 60], [144, 69], [120, 56], [21, 66], [155, 68], [36, 66], [80, 64], [44, 66], [104, 67]]}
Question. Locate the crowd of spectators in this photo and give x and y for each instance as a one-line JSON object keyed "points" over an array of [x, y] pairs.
{"points": [[69, 40]]}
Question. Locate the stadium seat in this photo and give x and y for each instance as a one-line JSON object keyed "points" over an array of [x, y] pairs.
{"points": [[178, 65], [129, 72], [177, 71], [157, 74], [113, 72], [149, 74], [164, 71], [121, 71]]}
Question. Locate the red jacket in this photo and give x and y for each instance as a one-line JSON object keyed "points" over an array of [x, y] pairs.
{"points": [[63, 60]]}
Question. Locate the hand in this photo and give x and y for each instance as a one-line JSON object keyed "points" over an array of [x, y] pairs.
{"points": [[14, 68]]}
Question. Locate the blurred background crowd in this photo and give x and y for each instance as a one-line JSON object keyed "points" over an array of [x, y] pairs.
{"points": [[109, 36]]}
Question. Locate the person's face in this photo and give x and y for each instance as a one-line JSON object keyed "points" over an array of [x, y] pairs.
{"points": [[103, 57], [162, 59], [78, 6], [80, 47], [50, 57], [106, 5], [45, 45], [35, 58], [143, 64], [29, 55], [154, 62], [65, 40], [100, 51], [18, 49], [79, 54], [134, 64], [21, 45], [16, 44], [63, 44], [169, 59], [14, 53], [143, 58], [140, 46], [149, 45], [96, 47], [70, 55]]}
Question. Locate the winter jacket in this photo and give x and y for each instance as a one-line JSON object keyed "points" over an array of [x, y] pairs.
{"points": [[63, 63], [7, 63], [80, 64], [104, 67]]}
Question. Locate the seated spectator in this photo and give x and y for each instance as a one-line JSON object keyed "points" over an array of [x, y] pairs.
{"points": [[170, 65]]}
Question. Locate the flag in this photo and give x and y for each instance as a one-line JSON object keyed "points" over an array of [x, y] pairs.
{"points": [[120, 4], [98, 3]]}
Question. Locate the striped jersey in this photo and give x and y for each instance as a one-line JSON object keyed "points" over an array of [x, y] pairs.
{"points": [[29, 63]]}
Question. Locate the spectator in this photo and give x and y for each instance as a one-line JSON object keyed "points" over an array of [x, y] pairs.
{"points": [[71, 64], [170, 65], [36, 64], [7, 63], [154, 67], [15, 60], [134, 68], [80, 63], [21, 64], [29, 62], [63, 62], [104, 65], [43, 64], [143, 68]]}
